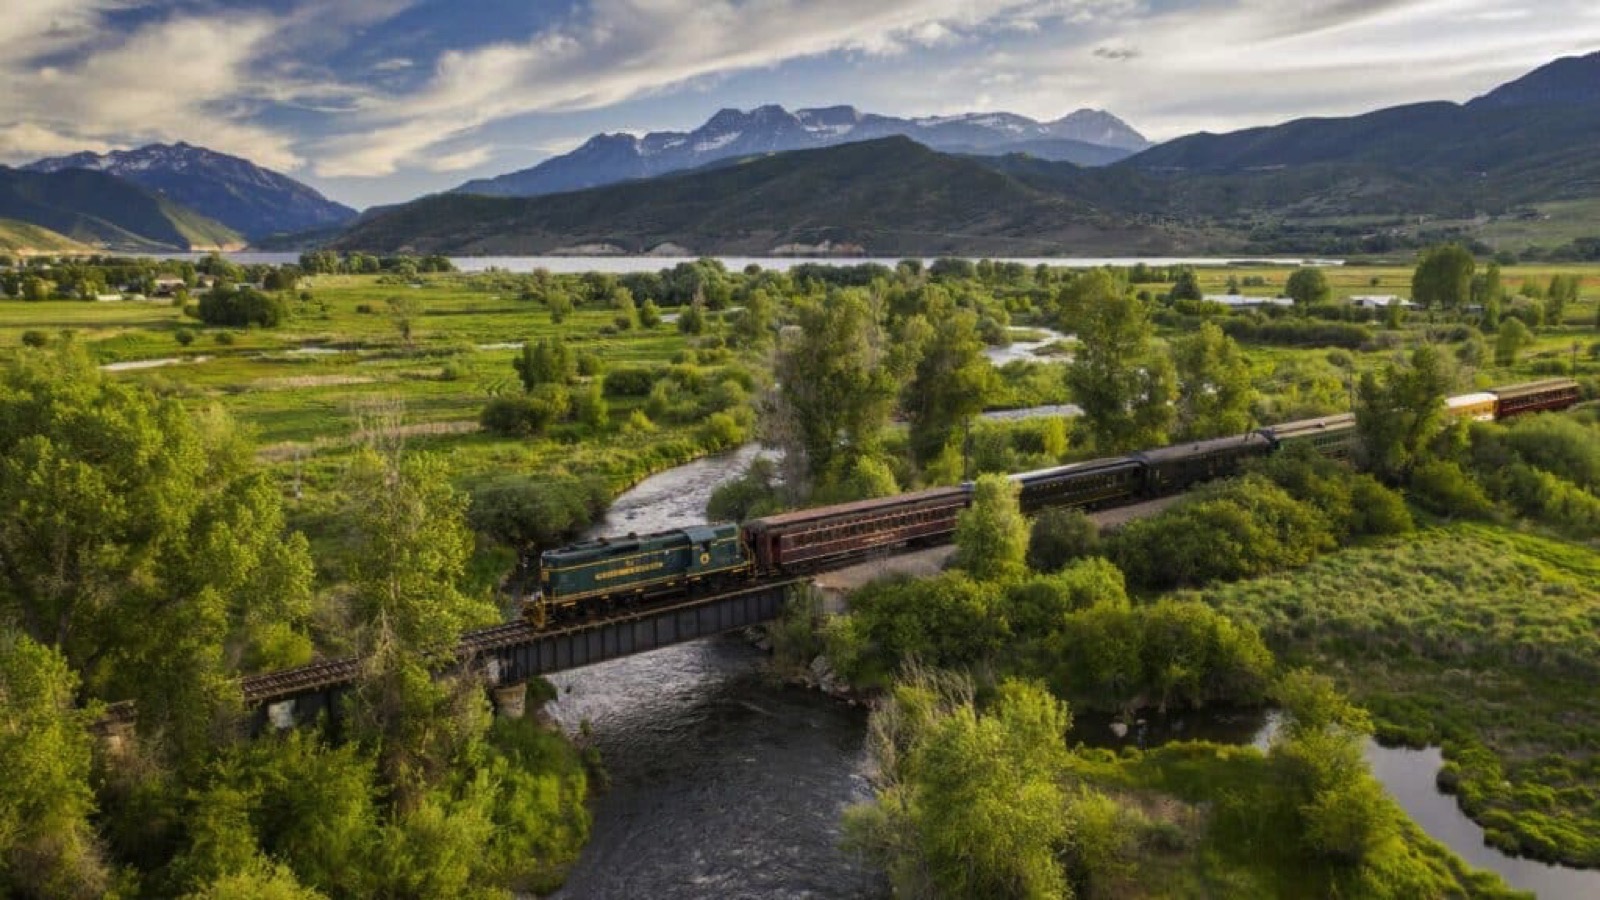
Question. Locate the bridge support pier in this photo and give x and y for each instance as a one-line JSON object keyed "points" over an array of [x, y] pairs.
{"points": [[511, 700]]}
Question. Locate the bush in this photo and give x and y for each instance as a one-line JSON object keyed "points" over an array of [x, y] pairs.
{"points": [[527, 414], [183, 336], [1060, 535], [242, 308], [1444, 487], [538, 512], [224, 338], [721, 432], [33, 337], [1234, 529], [753, 494], [632, 381]]}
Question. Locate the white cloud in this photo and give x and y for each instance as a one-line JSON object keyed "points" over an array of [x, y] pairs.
{"points": [[29, 141], [623, 49], [462, 159], [176, 79], [393, 64]]}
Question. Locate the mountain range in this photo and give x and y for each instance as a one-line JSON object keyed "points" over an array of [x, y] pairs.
{"points": [[832, 179], [1087, 137], [888, 196], [1530, 141], [101, 209], [245, 197]]}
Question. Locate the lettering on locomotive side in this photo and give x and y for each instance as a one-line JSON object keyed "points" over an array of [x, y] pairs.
{"points": [[629, 570]]}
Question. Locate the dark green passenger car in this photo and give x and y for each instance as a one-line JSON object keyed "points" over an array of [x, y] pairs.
{"points": [[640, 566]]}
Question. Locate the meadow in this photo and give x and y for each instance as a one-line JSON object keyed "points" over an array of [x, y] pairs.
{"points": [[1484, 639]]}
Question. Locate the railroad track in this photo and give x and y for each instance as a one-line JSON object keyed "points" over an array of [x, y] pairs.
{"points": [[271, 687]]}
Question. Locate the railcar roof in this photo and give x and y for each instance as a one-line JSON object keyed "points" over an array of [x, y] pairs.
{"points": [[1322, 423], [844, 509], [597, 546], [1461, 400], [1108, 462], [1534, 387], [1180, 451]]}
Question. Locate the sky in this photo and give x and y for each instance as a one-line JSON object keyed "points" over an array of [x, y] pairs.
{"points": [[379, 101]]}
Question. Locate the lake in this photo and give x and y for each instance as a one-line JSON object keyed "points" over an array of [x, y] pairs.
{"points": [[624, 264]]}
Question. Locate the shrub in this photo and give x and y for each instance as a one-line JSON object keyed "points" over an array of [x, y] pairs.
{"points": [[1060, 535], [242, 308], [631, 381], [183, 336], [365, 309], [542, 511], [755, 493], [527, 414], [1444, 487], [33, 337], [225, 338], [721, 432], [1235, 529]]}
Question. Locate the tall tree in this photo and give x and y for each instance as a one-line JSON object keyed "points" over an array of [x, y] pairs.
{"points": [[548, 361], [1125, 392], [409, 550], [1443, 277], [951, 381], [141, 541], [1214, 391], [1308, 285], [992, 534], [1509, 341], [1397, 412], [1187, 285], [47, 844], [836, 388]]}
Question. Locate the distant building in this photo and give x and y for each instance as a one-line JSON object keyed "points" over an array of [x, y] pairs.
{"points": [[166, 287], [1380, 301], [1239, 301]]}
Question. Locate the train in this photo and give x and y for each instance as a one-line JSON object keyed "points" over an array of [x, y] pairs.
{"points": [[598, 576]]}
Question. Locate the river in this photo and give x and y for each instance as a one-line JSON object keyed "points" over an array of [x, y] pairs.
{"points": [[727, 783]]}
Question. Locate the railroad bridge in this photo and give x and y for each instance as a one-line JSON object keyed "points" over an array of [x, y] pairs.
{"points": [[509, 655]]}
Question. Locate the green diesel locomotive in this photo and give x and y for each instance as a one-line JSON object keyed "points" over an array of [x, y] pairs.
{"points": [[639, 567]]}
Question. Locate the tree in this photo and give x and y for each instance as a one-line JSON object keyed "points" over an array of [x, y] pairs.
{"points": [[836, 389], [408, 554], [559, 303], [1563, 292], [649, 315], [47, 844], [1060, 535], [754, 325], [1187, 285], [991, 534], [1509, 341], [1443, 277], [404, 311], [951, 382], [1125, 392], [235, 307], [141, 542], [1214, 390], [1308, 286], [1487, 289], [692, 320], [548, 361], [1399, 411]]}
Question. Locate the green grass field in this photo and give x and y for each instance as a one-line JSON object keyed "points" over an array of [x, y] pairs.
{"points": [[1482, 638]]}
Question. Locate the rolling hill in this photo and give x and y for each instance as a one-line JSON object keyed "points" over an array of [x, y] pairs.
{"points": [[1531, 140], [889, 197], [25, 239], [102, 210], [247, 198]]}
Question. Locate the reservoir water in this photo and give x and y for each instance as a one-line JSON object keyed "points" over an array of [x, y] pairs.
{"points": [[625, 264]]}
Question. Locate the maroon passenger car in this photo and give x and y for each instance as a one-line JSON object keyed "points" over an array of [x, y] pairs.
{"points": [[1556, 393], [805, 539]]}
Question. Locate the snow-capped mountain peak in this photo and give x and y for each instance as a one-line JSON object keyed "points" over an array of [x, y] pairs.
{"points": [[1087, 137]]}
